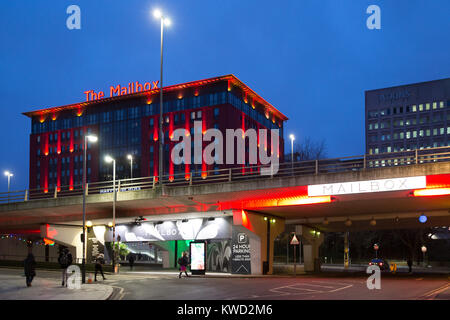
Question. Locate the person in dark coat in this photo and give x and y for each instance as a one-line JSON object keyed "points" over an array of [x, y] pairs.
{"points": [[183, 262], [29, 268], [131, 261], [65, 260], [409, 262], [99, 261]]}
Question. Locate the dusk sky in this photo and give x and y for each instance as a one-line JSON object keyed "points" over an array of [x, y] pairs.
{"points": [[311, 59]]}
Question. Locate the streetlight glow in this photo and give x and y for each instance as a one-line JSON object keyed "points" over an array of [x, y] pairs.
{"points": [[157, 13], [167, 22], [8, 174], [109, 159], [129, 157], [292, 137], [92, 138]]}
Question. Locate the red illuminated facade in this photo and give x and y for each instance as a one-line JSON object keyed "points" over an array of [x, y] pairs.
{"points": [[129, 124]]}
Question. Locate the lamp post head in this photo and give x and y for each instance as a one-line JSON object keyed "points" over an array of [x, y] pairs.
{"points": [[157, 13], [292, 137], [167, 22], [130, 157], [109, 159], [8, 174], [92, 138]]}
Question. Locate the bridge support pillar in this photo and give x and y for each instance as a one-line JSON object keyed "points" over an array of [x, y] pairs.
{"points": [[261, 232], [312, 239]]}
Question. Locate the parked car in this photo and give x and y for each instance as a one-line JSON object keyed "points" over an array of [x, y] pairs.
{"points": [[382, 263]]}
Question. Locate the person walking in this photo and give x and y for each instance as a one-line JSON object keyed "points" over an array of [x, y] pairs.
{"points": [[65, 260], [99, 261], [29, 268], [183, 262], [409, 262], [131, 260]]}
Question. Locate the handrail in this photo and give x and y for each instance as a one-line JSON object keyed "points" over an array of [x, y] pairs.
{"points": [[239, 173]]}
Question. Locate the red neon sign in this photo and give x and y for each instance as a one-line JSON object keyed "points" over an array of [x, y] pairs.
{"points": [[119, 90]]}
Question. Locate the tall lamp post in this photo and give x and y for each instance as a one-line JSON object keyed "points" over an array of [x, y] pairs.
{"points": [[9, 175], [164, 21], [109, 159], [424, 250], [130, 157], [292, 150], [91, 138]]}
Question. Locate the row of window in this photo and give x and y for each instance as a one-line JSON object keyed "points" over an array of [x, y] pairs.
{"points": [[438, 117], [407, 109], [409, 134], [64, 149], [153, 109], [424, 145]]}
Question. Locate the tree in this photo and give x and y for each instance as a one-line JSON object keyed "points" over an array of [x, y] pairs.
{"points": [[308, 149]]}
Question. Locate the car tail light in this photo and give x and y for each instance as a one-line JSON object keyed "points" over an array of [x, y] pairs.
{"points": [[381, 263], [370, 263]]}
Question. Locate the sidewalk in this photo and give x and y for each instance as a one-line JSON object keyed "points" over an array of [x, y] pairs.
{"points": [[13, 287]]}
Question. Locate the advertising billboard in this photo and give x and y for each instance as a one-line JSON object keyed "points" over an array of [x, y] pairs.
{"points": [[198, 257]]}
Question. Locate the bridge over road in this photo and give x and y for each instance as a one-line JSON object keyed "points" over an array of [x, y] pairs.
{"points": [[326, 195]]}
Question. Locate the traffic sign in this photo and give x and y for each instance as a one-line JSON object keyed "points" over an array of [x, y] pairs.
{"points": [[294, 241]]}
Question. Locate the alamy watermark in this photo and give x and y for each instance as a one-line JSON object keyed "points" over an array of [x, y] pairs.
{"points": [[374, 280]]}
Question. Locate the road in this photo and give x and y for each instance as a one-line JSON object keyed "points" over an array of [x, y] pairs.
{"points": [[167, 286]]}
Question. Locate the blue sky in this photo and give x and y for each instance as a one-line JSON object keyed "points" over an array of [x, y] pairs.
{"points": [[311, 59]]}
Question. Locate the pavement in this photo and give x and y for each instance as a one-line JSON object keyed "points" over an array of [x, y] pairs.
{"points": [[47, 286], [165, 285]]}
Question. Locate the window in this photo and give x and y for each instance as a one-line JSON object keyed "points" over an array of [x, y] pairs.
{"points": [[427, 105], [421, 107], [216, 113]]}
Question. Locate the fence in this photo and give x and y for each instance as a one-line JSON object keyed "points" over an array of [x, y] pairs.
{"points": [[285, 169]]}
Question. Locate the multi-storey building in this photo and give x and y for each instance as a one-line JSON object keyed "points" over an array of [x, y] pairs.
{"points": [[408, 117], [129, 124]]}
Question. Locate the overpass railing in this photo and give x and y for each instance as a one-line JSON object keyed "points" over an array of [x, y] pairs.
{"points": [[239, 173]]}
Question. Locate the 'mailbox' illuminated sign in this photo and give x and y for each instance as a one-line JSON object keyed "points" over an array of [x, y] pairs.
{"points": [[118, 90], [367, 186]]}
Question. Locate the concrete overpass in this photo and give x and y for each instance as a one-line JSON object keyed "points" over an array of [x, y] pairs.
{"points": [[286, 197]]}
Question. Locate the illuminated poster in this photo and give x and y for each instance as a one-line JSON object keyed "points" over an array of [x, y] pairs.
{"points": [[198, 259]]}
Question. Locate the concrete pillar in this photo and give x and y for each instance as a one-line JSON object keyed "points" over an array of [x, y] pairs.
{"points": [[311, 241], [261, 236]]}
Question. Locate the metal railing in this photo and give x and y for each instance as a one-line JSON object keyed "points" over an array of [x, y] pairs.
{"points": [[236, 173]]}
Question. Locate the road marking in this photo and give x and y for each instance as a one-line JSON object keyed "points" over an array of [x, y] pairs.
{"points": [[433, 293], [121, 294]]}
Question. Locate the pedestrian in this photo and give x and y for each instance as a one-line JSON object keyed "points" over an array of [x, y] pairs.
{"points": [[29, 268], [99, 261], [183, 262], [64, 260], [409, 262], [131, 260]]}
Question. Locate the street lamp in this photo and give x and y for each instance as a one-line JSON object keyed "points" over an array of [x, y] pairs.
{"points": [[130, 157], [9, 175], [109, 159], [424, 250], [91, 138], [164, 21], [292, 149]]}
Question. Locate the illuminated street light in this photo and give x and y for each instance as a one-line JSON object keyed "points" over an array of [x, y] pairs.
{"points": [[9, 175], [93, 139], [109, 159], [164, 21], [130, 157]]}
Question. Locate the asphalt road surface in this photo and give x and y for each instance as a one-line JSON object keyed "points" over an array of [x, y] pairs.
{"points": [[167, 286]]}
